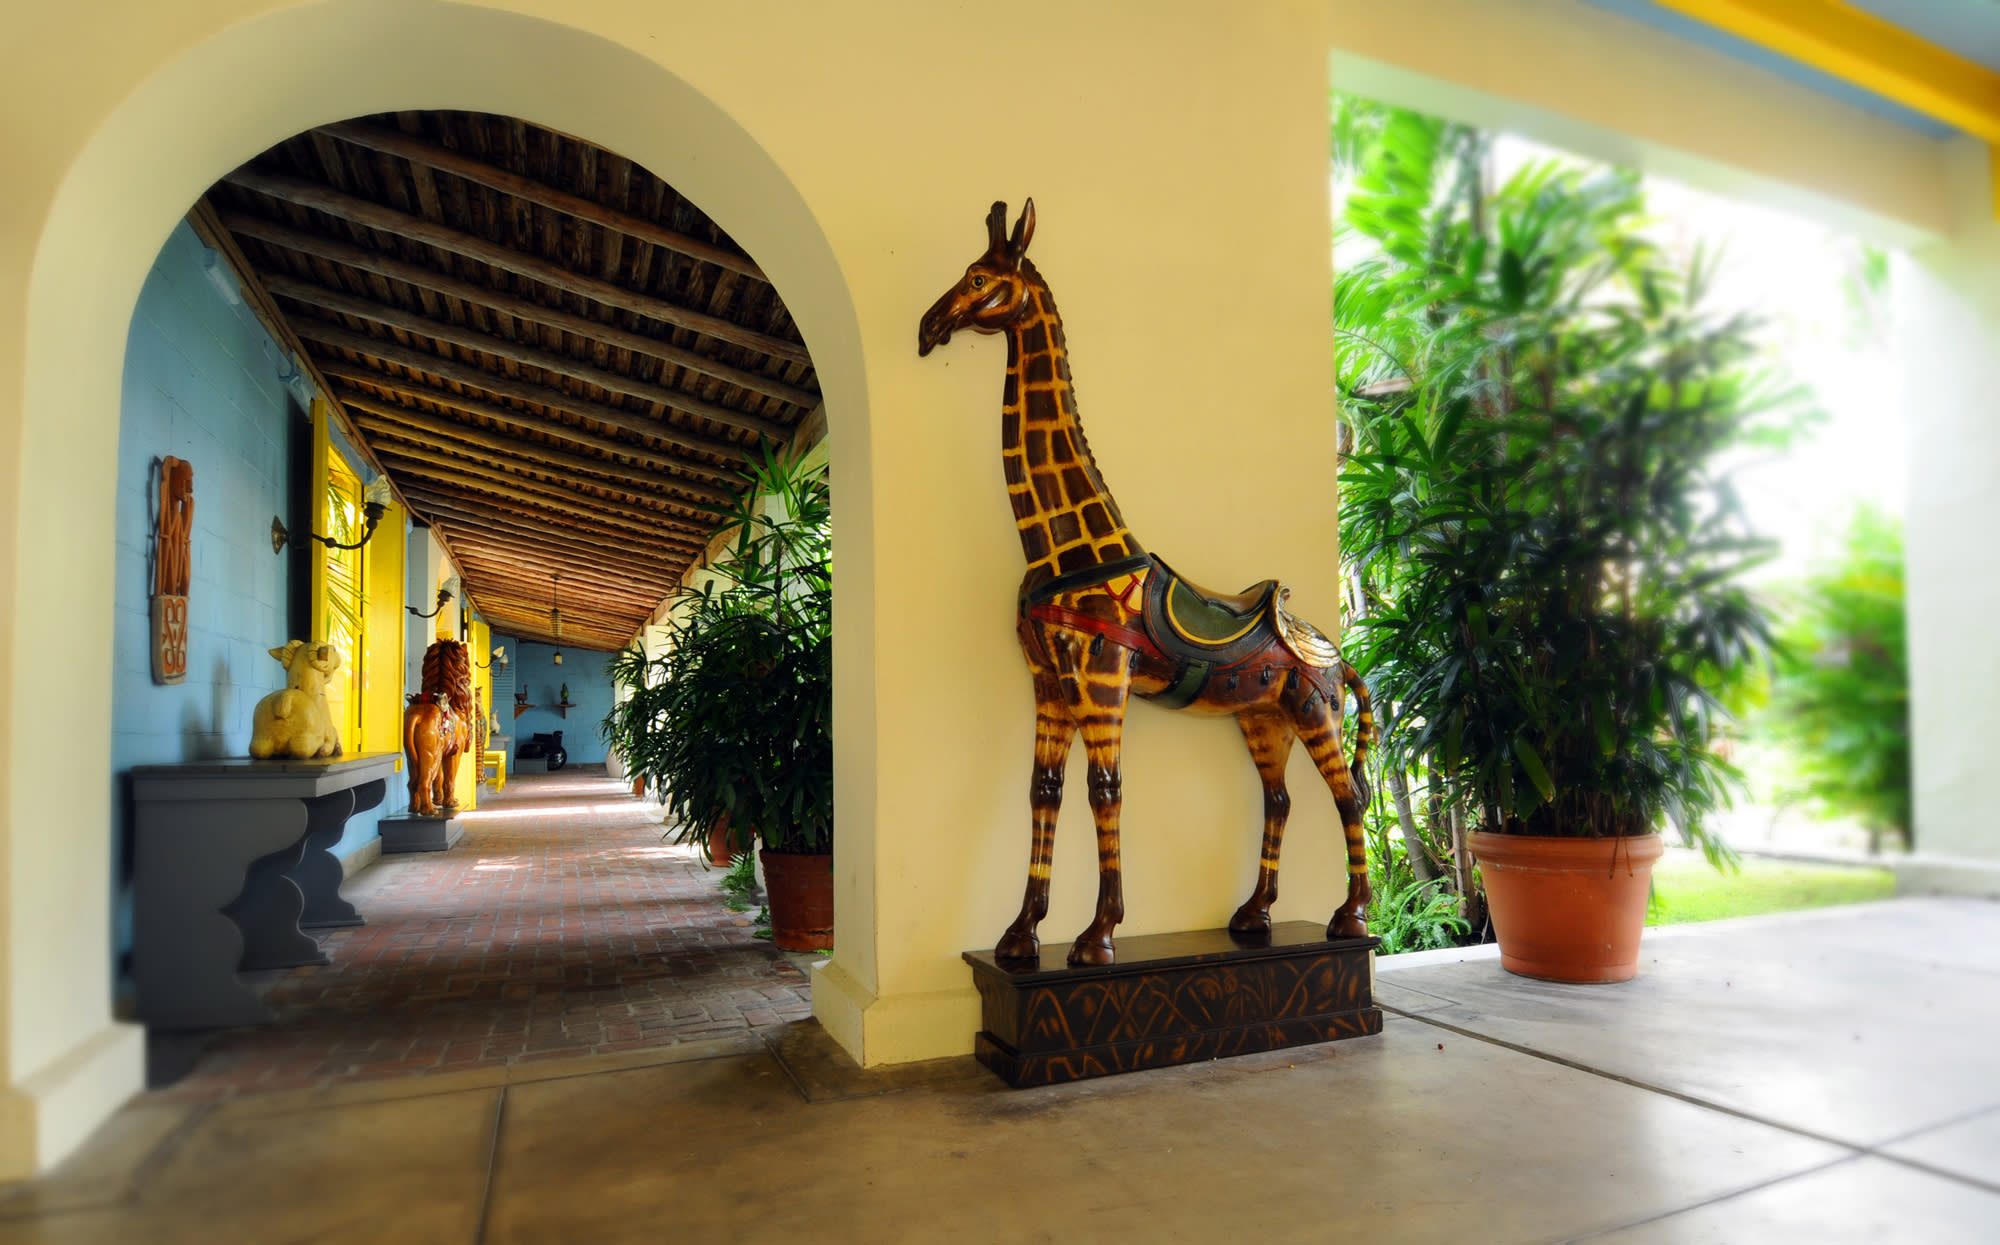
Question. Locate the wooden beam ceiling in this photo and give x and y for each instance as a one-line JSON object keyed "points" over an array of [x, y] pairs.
{"points": [[561, 364], [307, 194], [482, 299], [417, 151], [391, 317]]}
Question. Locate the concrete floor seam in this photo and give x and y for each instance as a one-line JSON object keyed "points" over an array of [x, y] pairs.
{"points": [[1635, 1083], [1930, 1170], [171, 1144], [1719, 1198], [492, 1162]]}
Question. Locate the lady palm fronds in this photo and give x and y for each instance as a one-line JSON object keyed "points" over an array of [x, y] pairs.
{"points": [[1537, 507]]}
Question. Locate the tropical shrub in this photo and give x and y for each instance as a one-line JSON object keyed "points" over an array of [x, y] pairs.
{"points": [[1840, 703], [1537, 508], [732, 726]]}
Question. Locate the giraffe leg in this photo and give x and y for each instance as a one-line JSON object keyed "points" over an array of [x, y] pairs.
{"points": [[1318, 725], [1270, 740], [1097, 694], [1053, 732]]}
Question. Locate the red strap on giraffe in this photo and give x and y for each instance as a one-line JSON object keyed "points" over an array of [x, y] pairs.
{"points": [[1050, 612]]}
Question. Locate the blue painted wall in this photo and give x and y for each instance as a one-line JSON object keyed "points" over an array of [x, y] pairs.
{"points": [[504, 684], [201, 383], [535, 672]]}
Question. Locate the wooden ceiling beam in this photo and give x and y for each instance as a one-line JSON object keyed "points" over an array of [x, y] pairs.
{"points": [[360, 258], [524, 597], [388, 350], [525, 608], [308, 194], [410, 468], [634, 577], [561, 492], [433, 506], [605, 597], [659, 580], [446, 435], [633, 566], [419, 151], [608, 636], [523, 634], [469, 338], [659, 460], [480, 497]]}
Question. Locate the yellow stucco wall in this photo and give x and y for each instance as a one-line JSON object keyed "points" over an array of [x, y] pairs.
{"points": [[1176, 150]]}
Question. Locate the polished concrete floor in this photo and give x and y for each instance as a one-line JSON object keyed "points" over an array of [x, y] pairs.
{"points": [[1832, 1076]]}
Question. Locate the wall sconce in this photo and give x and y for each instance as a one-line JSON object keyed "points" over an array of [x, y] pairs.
{"points": [[555, 615], [499, 661], [374, 505], [445, 594]]}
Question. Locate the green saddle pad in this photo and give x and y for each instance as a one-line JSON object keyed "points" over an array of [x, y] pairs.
{"points": [[1199, 620]]}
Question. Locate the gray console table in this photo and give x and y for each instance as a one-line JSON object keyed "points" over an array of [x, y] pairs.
{"points": [[233, 861]]}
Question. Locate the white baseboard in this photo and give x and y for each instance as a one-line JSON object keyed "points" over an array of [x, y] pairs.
{"points": [[48, 1114], [367, 854]]}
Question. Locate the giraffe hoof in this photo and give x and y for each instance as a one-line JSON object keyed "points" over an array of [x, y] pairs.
{"points": [[1088, 950], [1250, 919], [1347, 925], [1018, 944]]}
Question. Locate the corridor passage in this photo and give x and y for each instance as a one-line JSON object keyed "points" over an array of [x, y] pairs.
{"points": [[561, 925]]}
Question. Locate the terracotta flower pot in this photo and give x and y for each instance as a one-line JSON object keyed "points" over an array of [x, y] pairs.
{"points": [[720, 853], [801, 893], [1568, 909], [638, 788]]}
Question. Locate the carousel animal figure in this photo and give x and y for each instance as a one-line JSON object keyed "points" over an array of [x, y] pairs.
{"points": [[296, 722], [1101, 620], [427, 724], [437, 728]]}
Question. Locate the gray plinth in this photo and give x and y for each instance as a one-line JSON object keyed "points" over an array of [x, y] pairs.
{"points": [[229, 857], [407, 832], [531, 765]]}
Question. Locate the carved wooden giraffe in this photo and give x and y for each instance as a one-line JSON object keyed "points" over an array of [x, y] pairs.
{"points": [[1101, 620]]}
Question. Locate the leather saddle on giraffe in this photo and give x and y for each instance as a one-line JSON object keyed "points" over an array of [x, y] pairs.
{"points": [[1188, 634]]}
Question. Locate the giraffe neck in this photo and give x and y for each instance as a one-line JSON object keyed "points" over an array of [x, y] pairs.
{"points": [[1067, 518]]}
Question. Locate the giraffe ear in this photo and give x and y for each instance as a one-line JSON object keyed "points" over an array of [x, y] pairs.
{"points": [[996, 229], [1024, 232]]}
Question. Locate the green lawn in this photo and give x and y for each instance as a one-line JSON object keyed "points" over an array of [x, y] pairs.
{"points": [[1687, 888]]}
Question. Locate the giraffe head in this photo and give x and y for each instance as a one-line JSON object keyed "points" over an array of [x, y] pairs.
{"points": [[993, 293]]}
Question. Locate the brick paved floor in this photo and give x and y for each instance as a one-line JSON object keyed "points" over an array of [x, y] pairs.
{"points": [[560, 925]]}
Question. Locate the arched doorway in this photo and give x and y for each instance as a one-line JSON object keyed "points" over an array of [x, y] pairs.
{"points": [[156, 154], [554, 370]]}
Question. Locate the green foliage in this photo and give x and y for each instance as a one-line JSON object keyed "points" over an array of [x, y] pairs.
{"points": [[733, 723], [1407, 914], [739, 884], [1537, 508], [1841, 700], [1417, 916]]}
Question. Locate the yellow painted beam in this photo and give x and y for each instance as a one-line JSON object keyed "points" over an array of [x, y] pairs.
{"points": [[1862, 49]]}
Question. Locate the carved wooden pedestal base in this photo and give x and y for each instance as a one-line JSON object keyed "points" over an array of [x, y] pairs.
{"points": [[1172, 999]]}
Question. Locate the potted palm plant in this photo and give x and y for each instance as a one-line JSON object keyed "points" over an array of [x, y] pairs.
{"points": [[732, 725], [1539, 498]]}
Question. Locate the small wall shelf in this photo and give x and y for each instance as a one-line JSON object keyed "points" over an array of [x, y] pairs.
{"points": [[564, 708], [520, 708]]}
